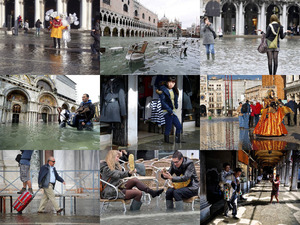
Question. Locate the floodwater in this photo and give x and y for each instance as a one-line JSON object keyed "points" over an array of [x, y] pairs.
{"points": [[153, 212], [87, 212], [28, 54], [224, 134], [239, 56], [190, 140], [48, 136], [114, 63]]}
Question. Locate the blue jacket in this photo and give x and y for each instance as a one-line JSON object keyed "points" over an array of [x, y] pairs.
{"points": [[165, 99], [26, 156], [44, 176], [292, 105]]}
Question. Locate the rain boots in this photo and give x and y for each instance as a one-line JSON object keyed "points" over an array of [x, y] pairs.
{"points": [[179, 205], [213, 56], [135, 205], [207, 56], [169, 204], [21, 191], [154, 193], [167, 139], [177, 138]]}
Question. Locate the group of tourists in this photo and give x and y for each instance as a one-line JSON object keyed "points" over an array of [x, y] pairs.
{"points": [[268, 120], [81, 118], [182, 171]]}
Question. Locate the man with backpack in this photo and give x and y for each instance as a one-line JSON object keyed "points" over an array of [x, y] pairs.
{"points": [[246, 113], [24, 161]]}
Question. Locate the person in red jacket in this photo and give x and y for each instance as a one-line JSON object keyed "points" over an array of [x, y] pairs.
{"points": [[257, 111], [252, 106]]}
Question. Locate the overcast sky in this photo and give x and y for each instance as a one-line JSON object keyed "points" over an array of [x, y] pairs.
{"points": [[185, 10], [89, 84]]}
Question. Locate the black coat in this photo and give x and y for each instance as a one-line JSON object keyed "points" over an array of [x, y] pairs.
{"points": [[271, 36], [86, 111], [187, 168], [115, 177], [44, 176], [112, 101], [166, 101]]}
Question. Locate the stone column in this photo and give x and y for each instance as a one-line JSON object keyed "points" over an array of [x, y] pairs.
{"points": [[2, 14], [83, 15], [17, 9], [59, 6], [132, 111], [237, 22], [204, 204], [241, 18], [89, 18], [282, 179], [284, 17], [37, 10], [287, 170], [180, 87], [295, 167], [263, 18]]}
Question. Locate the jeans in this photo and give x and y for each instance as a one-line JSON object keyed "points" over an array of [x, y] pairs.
{"points": [[170, 120], [256, 119], [233, 203], [38, 31], [179, 194], [210, 48], [246, 120], [241, 121]]}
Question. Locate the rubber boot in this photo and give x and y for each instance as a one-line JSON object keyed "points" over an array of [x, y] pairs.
{"points": [[207, 56], [154, 193], [177, 138], [179, 205], [213, 56], [169, 204], [167, 139], [135, 205]]}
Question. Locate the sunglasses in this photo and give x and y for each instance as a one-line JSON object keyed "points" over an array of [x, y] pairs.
{"points": [[52, 161]]}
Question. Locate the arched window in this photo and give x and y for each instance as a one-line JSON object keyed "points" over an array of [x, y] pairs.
{"points": [[143, 15], [149, 18], [16, 108], [125, 8], [153, 20], [135, 13]]}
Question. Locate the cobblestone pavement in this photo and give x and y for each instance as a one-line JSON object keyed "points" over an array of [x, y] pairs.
{"points": [[223, 133], [257, 210], [239, 55], [28, 54]]}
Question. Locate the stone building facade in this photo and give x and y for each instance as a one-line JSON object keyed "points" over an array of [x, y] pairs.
{"points": [[168, 28], [292, 87], [247, 16], [35, 98], [126, 18], [33, 10]]}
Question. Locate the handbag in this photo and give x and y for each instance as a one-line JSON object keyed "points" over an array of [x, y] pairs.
{"points": [[273, 44], [213, 32], [263, 47]]}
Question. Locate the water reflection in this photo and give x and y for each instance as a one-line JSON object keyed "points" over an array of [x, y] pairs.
{"points": [[155, 62], [240, 56], [30, 54], [47, 136], [224, 134]]}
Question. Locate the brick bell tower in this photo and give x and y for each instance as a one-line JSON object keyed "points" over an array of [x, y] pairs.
{"points": [[277, 82]]}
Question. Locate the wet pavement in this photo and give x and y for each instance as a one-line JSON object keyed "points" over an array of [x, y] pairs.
{"points": [[239, 55], [87, 213], [150, 214], [28, 54], [114, 63], [48, 136], [223, 133], [257, 210]]}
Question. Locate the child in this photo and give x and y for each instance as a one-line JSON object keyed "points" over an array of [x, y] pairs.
{"points": [[275, 188], [169, 101]]}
